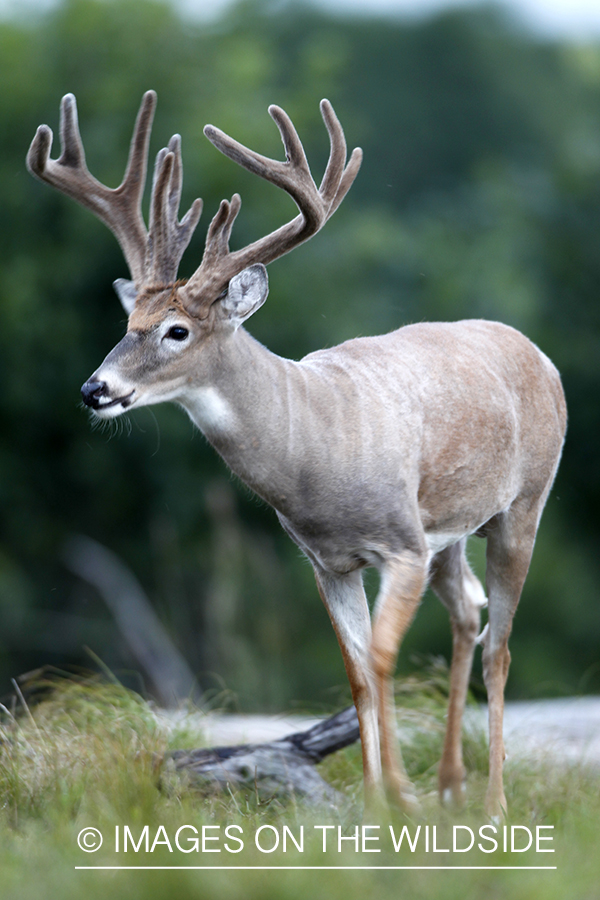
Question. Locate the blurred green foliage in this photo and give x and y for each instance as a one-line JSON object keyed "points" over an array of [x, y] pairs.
{"points": [[479, 196]]}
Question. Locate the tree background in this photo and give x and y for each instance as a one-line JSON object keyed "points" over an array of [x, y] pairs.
{"points": [[479, 196]]}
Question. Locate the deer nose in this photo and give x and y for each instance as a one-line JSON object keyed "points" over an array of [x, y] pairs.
{"points": [[92, 391]]}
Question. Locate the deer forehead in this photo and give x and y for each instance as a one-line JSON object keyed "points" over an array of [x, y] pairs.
{"points": [[152, 308]]}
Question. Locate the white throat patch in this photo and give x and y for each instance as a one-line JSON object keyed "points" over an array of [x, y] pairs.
{"points": [[209, 410]]}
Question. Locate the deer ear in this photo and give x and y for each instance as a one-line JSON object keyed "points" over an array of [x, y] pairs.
{"points": [[127, 294], [246, 293]]}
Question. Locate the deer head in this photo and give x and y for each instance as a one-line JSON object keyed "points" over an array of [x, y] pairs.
{"points": [[169, 317]]}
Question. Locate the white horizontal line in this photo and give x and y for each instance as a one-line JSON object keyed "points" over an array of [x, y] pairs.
{"points": [[316, 868]]}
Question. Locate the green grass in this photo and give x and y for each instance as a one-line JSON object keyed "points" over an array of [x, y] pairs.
{"points": [[91, 754]]}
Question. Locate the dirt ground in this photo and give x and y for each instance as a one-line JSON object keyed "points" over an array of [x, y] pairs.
{"points": [[568, 728]]}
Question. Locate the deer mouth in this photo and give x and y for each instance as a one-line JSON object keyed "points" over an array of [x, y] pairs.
{"points": [[124, 401], [101, 404]]}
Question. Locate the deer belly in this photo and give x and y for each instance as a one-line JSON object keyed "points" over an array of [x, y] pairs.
{"points": [[340, 539]]}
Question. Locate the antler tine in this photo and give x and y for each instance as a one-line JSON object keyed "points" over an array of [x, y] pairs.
{"points": [[337, 155], [168, 236], [338, 177], [219, 231], [72, 152], [134, 179], [347, 179], [316, 205], [294, 151]]}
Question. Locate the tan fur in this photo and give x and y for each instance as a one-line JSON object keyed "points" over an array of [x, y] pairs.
{"points": [[152, 305]]}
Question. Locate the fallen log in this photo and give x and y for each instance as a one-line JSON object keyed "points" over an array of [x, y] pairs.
{"points": [[276, 768]]}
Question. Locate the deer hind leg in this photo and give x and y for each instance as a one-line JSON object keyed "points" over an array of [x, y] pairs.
{"points": [[463, 596], [509, 549], [345, 601], [403, 583]]}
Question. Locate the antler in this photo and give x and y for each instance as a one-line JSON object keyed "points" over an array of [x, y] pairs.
{"points": [[153, 257], [316, 205]]}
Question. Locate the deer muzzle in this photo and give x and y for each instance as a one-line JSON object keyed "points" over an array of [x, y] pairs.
{"points": [[96, 395]]}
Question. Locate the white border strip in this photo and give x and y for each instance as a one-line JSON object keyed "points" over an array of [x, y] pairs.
{"points": [[317, 868]]}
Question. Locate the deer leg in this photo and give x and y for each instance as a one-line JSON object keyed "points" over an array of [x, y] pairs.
{"points": [[402, 586], [345, 601], [509, 549], [462, 594]]}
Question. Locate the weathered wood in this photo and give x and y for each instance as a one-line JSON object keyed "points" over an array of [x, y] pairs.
{"points": [[282, 767], [161, 662]]}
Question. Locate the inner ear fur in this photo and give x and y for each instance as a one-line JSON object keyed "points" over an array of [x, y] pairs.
{"points": [[246, 293]]}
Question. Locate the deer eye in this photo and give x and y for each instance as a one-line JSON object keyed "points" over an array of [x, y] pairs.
{"points": [[177, 333]]}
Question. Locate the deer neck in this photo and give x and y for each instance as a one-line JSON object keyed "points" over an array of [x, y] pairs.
{"points": [[245, 405]]}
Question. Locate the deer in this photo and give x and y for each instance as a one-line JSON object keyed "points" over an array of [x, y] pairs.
{"points": [[384, 451]]}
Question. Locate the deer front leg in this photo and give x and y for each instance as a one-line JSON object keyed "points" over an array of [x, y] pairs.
{"points": [[345, 601], [403, 583]]}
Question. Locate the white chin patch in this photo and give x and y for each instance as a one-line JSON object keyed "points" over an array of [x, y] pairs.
{"points": [[110, 408]]}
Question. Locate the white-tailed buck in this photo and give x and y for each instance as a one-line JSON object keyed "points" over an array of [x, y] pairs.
{"points": [[384, 451]]}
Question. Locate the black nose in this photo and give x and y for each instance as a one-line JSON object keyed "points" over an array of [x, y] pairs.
{"points": [[92, 391]]}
